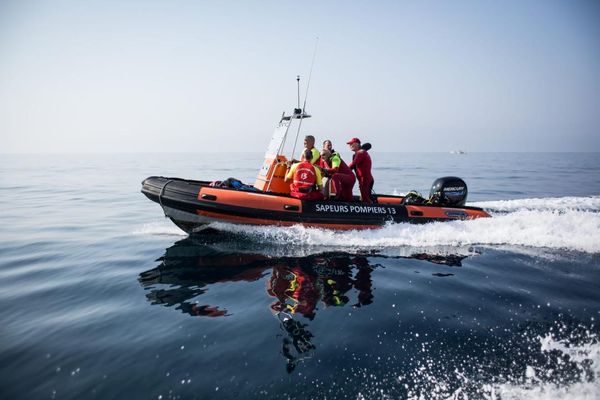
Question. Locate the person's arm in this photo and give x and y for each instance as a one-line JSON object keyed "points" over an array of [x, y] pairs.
{"points": [[319, 179], [290, 173], [316, 156], [325, 170], [335, 164], [356, 159]]}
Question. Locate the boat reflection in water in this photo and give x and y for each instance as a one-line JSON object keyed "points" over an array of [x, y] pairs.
{"points": [[298, 285]]}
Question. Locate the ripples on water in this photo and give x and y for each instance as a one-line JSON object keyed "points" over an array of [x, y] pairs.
{"points": [[102, 298]]}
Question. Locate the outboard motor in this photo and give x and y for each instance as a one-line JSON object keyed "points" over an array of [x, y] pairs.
{"points": [[448, 191]]}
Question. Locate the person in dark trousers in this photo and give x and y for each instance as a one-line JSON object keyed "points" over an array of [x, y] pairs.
{"points": [[361, 164]]}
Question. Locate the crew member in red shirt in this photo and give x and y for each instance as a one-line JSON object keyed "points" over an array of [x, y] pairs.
{"points": [[307, 181], [361, 164], [341, 175]]}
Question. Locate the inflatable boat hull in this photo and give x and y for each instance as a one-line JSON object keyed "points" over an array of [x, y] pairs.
{"points": [[193, 204]]}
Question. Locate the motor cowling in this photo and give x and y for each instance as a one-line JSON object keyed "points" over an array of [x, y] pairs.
{"points": [[448, 191]]}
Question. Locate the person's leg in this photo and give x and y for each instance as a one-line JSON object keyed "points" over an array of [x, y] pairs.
{"points": [[337, 184], [346, 185], [300, 195], [314, 195], [372, 195], [326, 181], [365, 191]]}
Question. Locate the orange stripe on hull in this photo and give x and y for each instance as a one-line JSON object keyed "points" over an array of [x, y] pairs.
{"points": [[440, 212], [251, 200], [389, 200]]}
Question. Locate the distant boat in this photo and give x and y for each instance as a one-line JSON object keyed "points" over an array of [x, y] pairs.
{"points": [[458, 152]]}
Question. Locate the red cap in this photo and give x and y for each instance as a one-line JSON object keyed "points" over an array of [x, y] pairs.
{"points": [[353, 140]]}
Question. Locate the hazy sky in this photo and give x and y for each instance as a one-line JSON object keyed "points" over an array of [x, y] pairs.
{"points": [[196, 76]]}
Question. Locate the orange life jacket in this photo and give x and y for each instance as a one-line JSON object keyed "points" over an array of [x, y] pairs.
{"points": [[305, 177]]}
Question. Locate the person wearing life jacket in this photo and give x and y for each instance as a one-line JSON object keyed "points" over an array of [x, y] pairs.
{"points": [[361, 164], [307, 181], [341, 175], [309, 144], [327, 145]]}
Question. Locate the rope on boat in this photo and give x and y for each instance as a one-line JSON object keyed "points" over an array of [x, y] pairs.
{"points": [[162, 192]]}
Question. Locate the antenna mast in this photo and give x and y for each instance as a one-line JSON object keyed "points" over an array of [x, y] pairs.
{"points": [[312, 64], [303, 109], [298, 80]]}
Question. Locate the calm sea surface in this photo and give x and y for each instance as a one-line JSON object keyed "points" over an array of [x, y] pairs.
{"points": [[101, 297]]}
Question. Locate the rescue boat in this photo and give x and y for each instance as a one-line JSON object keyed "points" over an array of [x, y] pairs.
{"points": [[192, 204]]}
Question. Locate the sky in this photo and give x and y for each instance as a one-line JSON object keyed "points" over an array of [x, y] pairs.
{"points": [[205, 76]]}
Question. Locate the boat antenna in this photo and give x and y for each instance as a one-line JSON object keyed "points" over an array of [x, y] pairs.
{"points": [[298, 80], [312, 64], [303, 109]]}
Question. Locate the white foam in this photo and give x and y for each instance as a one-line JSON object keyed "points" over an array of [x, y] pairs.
{"points": [[560, 204], [528, 382], [551, 227], [586, 357], [567, 223], [164, 228]]}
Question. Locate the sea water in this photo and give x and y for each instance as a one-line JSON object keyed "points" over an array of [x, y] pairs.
{"points": [[102, 297]]}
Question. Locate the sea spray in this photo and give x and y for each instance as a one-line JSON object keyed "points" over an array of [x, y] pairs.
{"points": [[532, 224]]}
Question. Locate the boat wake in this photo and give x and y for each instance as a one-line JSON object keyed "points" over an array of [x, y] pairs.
{"points": [[545, 226], [568, 223], [555, 204]]}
